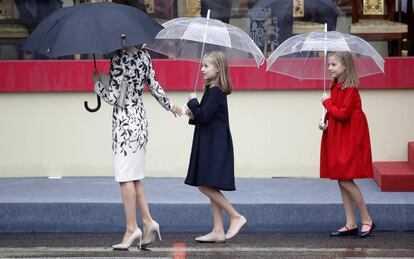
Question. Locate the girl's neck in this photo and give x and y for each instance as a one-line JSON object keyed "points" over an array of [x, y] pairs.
{"points": [[341, 78]]}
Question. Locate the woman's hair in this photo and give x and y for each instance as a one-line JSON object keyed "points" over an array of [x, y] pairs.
{"points": [[350, 78], [218, 59]]}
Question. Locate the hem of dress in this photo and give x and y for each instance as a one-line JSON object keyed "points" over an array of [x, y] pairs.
{"points": [[211, 186], [129, 180], [344, 179]]}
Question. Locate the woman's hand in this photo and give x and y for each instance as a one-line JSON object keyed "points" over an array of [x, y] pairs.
{"points": [[176, 110], [96, 76], [192, 96], [325, 96]]}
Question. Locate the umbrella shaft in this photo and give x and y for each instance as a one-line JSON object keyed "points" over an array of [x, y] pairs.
{"points": [[202, 51]]}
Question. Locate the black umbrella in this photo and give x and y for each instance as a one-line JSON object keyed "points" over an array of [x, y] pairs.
{"points": [[98, 28]]}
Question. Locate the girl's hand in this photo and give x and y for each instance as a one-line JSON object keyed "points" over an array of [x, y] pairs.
{"points": [[322, 126], [189, 113], [176, 110], [192, 96], [96, 76], [325, 96]]}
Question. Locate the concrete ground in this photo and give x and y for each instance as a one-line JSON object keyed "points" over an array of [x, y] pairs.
{"points": [[305, 245]]}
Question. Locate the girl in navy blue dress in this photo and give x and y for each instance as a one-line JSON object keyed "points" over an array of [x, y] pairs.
{"points": [[212, 161]]}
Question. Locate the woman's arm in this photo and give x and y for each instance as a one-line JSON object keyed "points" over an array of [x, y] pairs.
{"points": [[155, 88]]}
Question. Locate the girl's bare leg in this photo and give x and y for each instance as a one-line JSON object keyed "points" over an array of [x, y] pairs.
{"points": [[352, 189], [218, 218], [349, 209], [236, 220]]}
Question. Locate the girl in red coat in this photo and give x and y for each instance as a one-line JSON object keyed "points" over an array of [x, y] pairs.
{"points": [[346, 148]]}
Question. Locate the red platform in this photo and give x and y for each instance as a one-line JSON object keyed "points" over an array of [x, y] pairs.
{"points": [[175, 75], [396, 176]]}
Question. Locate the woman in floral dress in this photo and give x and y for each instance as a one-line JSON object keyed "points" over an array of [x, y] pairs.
{"points": [[130, 70]]}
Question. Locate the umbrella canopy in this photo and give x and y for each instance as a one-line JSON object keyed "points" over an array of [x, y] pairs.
{"points": [[186, 38], [304, 56], [91, 28]]}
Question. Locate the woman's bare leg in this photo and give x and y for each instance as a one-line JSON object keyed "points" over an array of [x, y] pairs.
{"points": [[141, 200], [128, 199]]}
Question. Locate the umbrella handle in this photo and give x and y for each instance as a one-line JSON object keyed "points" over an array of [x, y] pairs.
{"points": [[98, 106]]}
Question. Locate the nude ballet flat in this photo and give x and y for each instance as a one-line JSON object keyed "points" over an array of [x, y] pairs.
{"points": [[123, 246], [211, 238], [149, 236], [232, 232]]}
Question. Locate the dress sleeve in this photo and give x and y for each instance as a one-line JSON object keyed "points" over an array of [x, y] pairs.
{"points": [[155, 88], [110, 92], [343, 110], [204, 113]]}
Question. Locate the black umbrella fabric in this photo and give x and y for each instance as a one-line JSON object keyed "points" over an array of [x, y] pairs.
{"points": [[98, 28], [91, 28]]}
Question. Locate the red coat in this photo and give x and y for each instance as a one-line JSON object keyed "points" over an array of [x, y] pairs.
{"points": [[345, 147]]}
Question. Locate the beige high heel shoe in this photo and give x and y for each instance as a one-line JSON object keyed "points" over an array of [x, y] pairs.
{"points": [[136, 235], [149, 235]]}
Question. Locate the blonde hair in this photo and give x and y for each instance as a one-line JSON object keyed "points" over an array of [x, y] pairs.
{"points": [[218, 59], [350, 78]]}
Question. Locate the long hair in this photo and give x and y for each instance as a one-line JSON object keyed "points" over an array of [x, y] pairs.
{"points": [[350, 78], [218, 59]]}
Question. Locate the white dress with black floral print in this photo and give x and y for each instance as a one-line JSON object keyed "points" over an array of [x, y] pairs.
{"points": [[129, 123]]}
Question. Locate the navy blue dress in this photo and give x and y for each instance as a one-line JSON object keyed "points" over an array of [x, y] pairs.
{"points": [[212, 158]]}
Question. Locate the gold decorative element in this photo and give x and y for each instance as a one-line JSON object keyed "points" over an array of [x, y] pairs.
{"points": [[378, 26], [404, 51], [373, 7], [6, 9], [13, 31], [192, 8], [300, 27], [298, 8], [149, 6]]}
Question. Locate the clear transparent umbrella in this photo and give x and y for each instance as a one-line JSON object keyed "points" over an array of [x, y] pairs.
{"points": [[303, 56], [188, 38]]}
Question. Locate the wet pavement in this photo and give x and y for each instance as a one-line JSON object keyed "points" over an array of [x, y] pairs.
{"points": [[319, 245]]}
